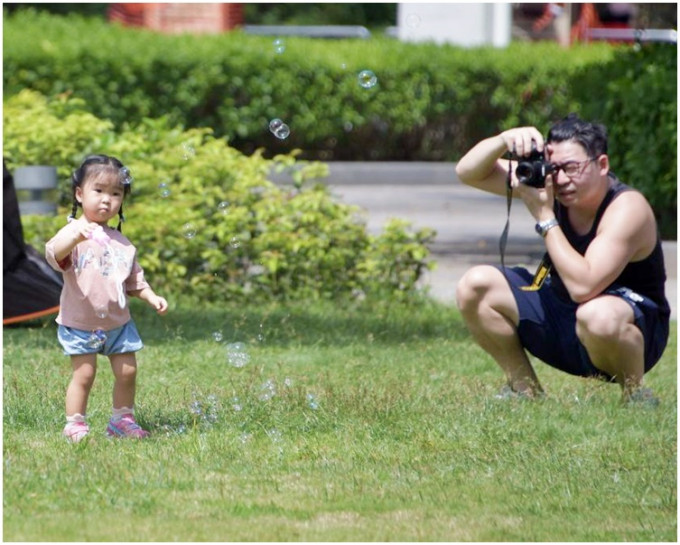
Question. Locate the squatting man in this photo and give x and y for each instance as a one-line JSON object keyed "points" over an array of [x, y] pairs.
{"points": [[602, 310]]}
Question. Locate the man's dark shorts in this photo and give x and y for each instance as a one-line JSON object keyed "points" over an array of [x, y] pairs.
{"points": [[547, 325]]}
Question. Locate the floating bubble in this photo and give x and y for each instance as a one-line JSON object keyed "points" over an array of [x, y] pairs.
{"points": [[367, 79], [223, 207], [164, 190], [96, 339], [217, 335], [283, 132], [288, 382], [279, 46], [260, 335], [279, 129], [188, 152], [236, 404], [413, 20], [237, 355], [101, 312], [267, 390], [312, 403], [125, 175], [235, 243], [189, 230], [275, 435], [348, 126]]}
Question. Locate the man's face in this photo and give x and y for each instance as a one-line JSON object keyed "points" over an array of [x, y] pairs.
{"points": [[577, 172]]}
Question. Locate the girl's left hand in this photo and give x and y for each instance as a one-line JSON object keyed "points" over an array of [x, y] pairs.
{"points": [[160, 304]]}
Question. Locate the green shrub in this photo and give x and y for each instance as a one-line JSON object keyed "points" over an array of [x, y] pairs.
{"points": [[224, 229], [640, 110], [431, 103]]}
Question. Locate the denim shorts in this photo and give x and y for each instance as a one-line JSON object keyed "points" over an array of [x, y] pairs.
{"points": [[115, 341], [547, 325]]}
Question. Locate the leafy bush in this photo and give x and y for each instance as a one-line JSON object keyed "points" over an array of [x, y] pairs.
{"points": [[207, 220], [640, 109], [432, 102]]}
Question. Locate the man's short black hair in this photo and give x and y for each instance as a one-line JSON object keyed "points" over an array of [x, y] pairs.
{"points": [[592, 136]]}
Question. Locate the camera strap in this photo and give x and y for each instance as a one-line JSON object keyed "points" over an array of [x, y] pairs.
{"points": [[544, 266]]}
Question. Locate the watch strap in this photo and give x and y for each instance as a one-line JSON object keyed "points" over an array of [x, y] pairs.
{"points": [[542, 227]]}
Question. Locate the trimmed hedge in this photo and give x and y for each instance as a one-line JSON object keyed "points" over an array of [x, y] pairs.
{"points": [[205, 218], [430, 103]]}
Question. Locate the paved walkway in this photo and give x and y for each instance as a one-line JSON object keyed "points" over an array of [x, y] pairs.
{"points": [[468, 222]]}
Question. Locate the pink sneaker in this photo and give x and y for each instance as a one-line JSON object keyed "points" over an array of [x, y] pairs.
{"points": [[126, 427], [75, 431]]}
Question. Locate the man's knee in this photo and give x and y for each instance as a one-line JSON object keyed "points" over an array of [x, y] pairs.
{"points": [[474, 285], [602, 318]]}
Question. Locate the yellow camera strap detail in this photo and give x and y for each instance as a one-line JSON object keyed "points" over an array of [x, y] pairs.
{"points": [[541, 274]]}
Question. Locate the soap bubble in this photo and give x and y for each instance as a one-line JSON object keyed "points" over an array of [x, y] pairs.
{"points": [[96, 339], [189, 230], [164, 190], [413, 20], [237, 354], [275, 435], [283, 132], [279, 46], [267, 390], [279, 129], [235, 243], [312, 402], [101, 312], [367, 79], [223, 207], [188, 152], [217, 335]]}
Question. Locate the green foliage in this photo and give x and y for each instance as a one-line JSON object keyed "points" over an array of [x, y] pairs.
{"points": [[222, 226], [431, 102], [640, 110]]}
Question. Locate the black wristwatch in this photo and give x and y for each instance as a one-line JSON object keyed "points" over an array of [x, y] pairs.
{"points": [[542, 227]]}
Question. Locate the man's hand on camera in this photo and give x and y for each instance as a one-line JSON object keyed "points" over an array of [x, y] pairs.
{"points": [[518, 141], [539, 200]]}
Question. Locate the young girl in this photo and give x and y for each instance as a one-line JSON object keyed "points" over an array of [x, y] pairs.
{"points": [[100, 270]]}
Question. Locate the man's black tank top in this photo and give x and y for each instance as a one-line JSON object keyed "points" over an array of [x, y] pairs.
{"points": [[646, 277]]}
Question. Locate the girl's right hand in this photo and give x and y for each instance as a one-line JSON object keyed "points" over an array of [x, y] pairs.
{"points": [[83, 229]]}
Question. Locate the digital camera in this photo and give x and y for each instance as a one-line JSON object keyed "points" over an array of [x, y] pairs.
{"points": [[533, 169]]}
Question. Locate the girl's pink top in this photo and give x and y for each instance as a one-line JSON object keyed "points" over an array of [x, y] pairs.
{"points": [[93, 273]]}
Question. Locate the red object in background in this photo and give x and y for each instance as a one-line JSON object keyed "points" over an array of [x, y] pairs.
{"points": [[587, 19], [175, 18]]}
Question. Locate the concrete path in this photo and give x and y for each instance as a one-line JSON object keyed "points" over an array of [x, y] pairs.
{"points": [[468, 222]]}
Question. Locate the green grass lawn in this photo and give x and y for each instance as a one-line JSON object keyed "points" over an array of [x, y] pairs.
{"points": [[346, 424]]}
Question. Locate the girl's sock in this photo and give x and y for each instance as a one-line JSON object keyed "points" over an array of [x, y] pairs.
{"points": [[75, 418], [117, 414]]}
